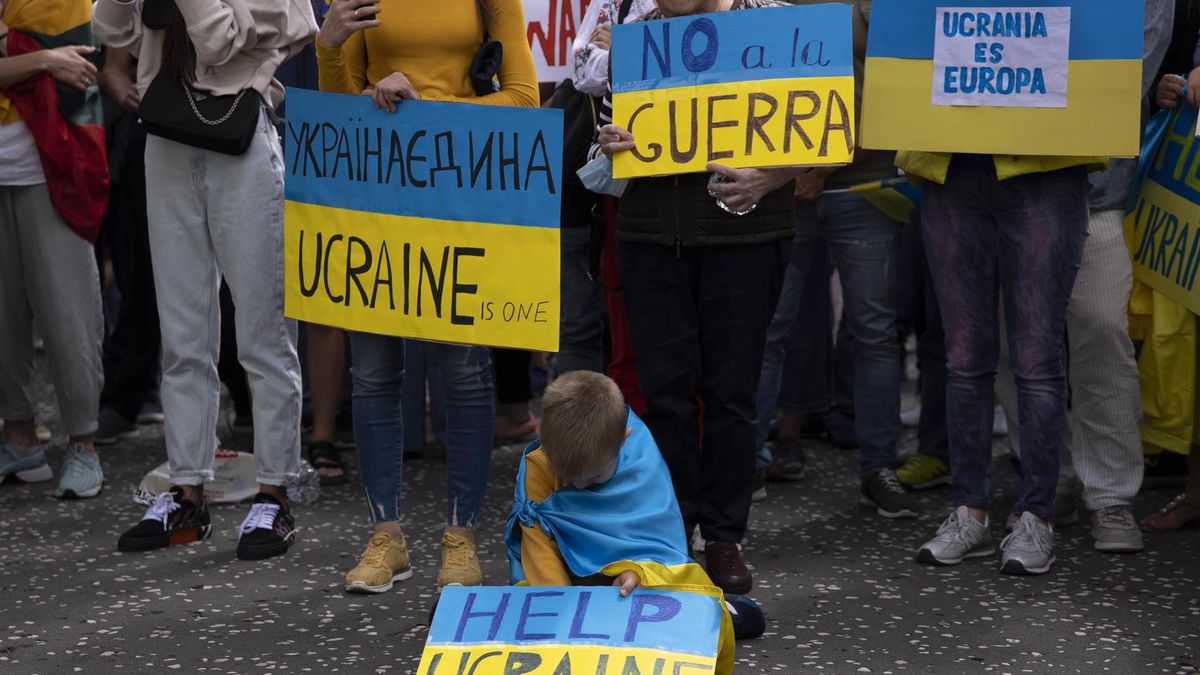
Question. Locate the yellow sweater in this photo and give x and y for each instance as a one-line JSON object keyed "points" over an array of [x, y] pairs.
{"points": [[432, 44]]}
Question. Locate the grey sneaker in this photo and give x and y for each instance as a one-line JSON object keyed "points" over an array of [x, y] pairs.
{"points": [[1029, 548], [1066, 512], [27, 464], [81, 476], [1116, 531], [959, 537]]}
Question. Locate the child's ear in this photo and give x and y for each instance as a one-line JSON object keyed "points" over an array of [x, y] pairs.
{"points": [[628, 432]]}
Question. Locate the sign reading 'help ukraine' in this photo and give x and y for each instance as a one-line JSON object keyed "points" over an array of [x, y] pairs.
{"points": [[1045, 77], [745, 88], [438, 221], [522, 630]]}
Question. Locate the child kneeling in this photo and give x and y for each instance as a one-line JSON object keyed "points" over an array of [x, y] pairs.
{"points": [[594, 505]]}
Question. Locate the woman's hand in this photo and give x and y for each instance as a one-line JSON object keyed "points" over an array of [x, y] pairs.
{"points": [[746, 187], [627, 582], [345, 18], [1169, 89], [389, 90], [1193, 88], [67, 65], [602, 38], [810, 185], [614, 139]]}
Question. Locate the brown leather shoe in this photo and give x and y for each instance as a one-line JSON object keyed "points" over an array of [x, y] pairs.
{"points": [[727, 568]]}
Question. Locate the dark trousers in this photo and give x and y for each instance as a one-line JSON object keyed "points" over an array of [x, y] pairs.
{"points": [[131, 355], [1021, 238], [698, 317], [920, 310]]}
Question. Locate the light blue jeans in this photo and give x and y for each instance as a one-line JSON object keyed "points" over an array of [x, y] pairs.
{"points": [[378, 374], [214, 215]]}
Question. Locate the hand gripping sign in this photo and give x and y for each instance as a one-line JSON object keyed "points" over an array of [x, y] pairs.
{"points": [[438, 221], [523, 630], [1019, 77], [746, 88]]}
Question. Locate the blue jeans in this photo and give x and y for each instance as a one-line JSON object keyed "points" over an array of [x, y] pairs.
{"points": [[863, 242], [378, 374], [581, 328], [1021, 238]]}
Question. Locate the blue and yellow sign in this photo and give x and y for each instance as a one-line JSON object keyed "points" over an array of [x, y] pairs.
{"points": [[523, 630], [1163, 230], [438, 222], [747, 88], [1020, 77]]}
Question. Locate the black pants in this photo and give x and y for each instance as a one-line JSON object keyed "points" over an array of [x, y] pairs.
{"points": [[699, 318], [131, 356]]}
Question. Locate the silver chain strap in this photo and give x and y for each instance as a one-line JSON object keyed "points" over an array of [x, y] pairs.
{"points": [[212, 123]]}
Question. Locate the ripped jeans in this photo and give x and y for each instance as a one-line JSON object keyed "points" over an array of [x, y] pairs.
{"points": [[378, 374]]}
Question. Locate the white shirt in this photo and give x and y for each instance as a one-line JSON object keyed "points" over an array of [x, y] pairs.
{"points": [[591, 62], [20, 163]]}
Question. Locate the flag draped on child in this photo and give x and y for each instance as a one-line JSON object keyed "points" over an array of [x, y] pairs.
{"points": [[66, 123], [629, 523]]}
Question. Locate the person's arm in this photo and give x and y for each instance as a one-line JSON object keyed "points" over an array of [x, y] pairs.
{"points": [[343, 70], [65, 64], [115, 22], [590, 74], [540, 559], [220, 31], [518, 76], [1160, 16], [117, 78]]}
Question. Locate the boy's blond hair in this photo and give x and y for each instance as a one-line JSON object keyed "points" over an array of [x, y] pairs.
{"points": [[583, 424]]}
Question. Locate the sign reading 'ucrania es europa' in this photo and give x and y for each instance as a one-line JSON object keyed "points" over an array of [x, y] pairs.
{"points": [[439, 221], [1003, 56]]}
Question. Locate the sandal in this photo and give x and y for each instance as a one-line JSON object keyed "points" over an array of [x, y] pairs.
{"points": [[1174, 517], [324, 457]]}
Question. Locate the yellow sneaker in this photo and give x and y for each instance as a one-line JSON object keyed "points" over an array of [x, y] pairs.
{"points": [[383, 563], [922, 472], [460, 564]]}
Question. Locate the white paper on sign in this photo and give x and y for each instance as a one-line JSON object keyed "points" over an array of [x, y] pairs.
{"points": [[1012, 57]]}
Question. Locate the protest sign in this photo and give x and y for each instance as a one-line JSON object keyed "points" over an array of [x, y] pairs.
{"points": [[1019, 77], [522, 630], [551, 28], [1163, 230], [747, 88], [438, 221]]}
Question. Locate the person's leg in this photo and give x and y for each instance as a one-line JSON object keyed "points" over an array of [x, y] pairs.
{"points": [[187, 291], [622, 366], [664, 328], [326, 360], [839, 422], [63, 288], [131, 356], [807, 387], [1041, 234], [246, 225], [961, 242], [864, 244], [470, 414], [581, 330], [230, 369], [514, 420], [737, 290], [931, 355], [1106, 443]]}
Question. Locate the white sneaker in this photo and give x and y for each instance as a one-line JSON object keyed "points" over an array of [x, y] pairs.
{"points": [[1029, 548], [958, 538], [911, 417], [1116, 531]]}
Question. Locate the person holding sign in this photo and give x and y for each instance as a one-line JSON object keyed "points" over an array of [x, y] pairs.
{"points": [[395, 51], [701, 283], [215, 209], [594, 504]]}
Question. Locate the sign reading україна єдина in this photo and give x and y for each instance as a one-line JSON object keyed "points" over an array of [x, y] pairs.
{"points": [[438, 221], [748, 88]]}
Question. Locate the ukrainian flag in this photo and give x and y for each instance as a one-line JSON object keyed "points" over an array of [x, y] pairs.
{"points": [[1103, 86], [896, 198]]}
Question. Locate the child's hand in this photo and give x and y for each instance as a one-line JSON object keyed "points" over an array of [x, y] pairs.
{"points": [[1169, 89], [627, 581]]}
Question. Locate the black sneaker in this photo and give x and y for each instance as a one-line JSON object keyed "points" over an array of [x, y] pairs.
{"points": [[171, 520], [113, 427], [882, 491], [760, 486], [268, 530], [788, 463]]}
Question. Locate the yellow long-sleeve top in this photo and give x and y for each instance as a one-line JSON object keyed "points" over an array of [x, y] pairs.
{"points": [[540, 560], [432, 44]]}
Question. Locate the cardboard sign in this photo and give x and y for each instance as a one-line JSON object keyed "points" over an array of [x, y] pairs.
{"points": [[552, 26], [438, 221], [1047, 77], [1163, 230], [1009, 57], [571, 631], [746, 88]]}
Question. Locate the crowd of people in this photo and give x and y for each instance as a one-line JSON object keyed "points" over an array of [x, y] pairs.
{"points": [[709, 305]]}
